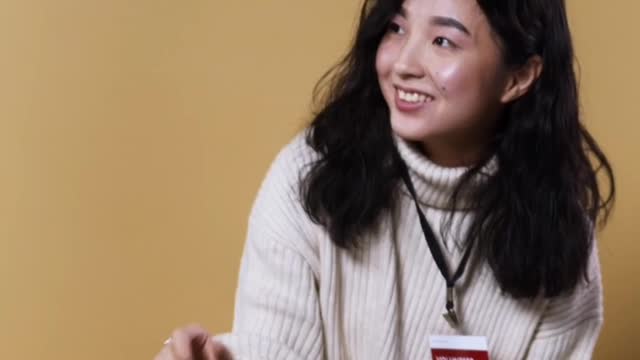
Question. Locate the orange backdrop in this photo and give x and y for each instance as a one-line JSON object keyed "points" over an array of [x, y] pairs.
{"points": [[134, 135]]}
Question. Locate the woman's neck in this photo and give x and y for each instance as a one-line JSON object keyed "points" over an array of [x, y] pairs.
{"points": [[453, 155], [435, 184]]}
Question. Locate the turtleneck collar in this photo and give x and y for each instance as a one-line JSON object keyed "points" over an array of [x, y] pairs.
{"points": [[435, 184]]}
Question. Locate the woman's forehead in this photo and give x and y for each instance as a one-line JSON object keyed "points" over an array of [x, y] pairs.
{"points": [[466, 12], [463, 9]]}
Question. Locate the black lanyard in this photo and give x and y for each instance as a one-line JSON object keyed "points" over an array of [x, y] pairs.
{"points": [[436, 252]]}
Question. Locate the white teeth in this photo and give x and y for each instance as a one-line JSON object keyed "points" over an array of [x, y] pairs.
{"points": [[413, 97]]}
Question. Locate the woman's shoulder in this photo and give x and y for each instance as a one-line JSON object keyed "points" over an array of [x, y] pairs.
{"points": [[288, 170], [278, 213], [297, 153], [293, 161]]}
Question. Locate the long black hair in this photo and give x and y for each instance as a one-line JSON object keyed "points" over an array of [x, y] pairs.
{"points": [[535, 217]]}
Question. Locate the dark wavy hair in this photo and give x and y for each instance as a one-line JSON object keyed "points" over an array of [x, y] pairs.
{"points": [[535, 217]]}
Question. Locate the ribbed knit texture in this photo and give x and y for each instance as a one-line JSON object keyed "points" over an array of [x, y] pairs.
{"points": [[301, 297]]}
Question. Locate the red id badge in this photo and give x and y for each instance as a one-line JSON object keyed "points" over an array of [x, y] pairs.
{"points": [[459, 348]]}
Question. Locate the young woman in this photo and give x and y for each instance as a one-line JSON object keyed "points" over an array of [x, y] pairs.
{"points": [[446, 173]]}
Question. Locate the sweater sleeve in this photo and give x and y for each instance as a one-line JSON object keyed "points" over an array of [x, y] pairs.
{"points": [[571, 325], [277, 312]]}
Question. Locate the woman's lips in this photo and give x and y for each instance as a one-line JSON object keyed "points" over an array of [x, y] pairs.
{"points": [[410, 101]]}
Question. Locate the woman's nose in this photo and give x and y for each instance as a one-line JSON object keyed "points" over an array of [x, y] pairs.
{"points": [[409, 62]]}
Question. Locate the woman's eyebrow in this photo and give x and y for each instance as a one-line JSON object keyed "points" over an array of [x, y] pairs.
{"points": [[440, 21], [449, 22]]}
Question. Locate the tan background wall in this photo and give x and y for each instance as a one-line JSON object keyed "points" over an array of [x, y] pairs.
{"points": [[134, 135]]}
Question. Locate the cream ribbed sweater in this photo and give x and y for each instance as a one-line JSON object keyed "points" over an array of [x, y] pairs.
{"points": [[301, 297]]}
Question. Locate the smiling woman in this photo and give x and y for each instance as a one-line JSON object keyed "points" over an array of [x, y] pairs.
{"points": [[446, 172], [447, 80]]}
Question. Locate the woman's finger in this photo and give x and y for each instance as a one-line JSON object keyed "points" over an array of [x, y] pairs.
{"points": [[220, 351], [193, 342], [202, 348], [188, 343]]}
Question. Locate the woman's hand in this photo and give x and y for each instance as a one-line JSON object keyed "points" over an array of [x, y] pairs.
{"points": [[192, 342]]}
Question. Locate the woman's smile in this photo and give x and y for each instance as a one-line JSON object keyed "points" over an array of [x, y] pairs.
{"points": [[412, 101]]}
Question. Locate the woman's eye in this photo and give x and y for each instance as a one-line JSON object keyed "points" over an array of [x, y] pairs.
{"points": [[443, 42], [395, 28]]}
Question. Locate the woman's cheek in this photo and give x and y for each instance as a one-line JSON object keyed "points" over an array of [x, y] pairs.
{"points": [[384, 58], [451, 79]]}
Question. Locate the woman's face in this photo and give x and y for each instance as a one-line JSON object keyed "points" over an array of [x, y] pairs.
{"points": [[441, 72]]}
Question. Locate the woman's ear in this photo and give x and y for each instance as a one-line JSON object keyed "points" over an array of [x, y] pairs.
{"points": [[520, 80]]}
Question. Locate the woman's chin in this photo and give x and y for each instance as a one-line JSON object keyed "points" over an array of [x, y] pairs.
{"points": [[410, 131]]}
